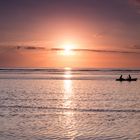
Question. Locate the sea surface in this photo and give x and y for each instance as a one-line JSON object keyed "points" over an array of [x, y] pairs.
{"points": [[69, 104]]}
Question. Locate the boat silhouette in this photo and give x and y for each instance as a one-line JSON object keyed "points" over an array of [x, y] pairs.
{"points": [[122, 79], [127, 79]]}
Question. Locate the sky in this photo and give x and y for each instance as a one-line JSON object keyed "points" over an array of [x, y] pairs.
{"points": [[70, 33]]}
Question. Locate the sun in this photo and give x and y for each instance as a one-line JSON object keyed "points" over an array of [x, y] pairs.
{"points": [[68, 49]]}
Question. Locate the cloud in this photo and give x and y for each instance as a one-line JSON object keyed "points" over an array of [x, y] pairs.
{"points": [[99, 35], [136, 4], [137, 46], [34, 48], [30, 48], [98, 51], [16, 49]]}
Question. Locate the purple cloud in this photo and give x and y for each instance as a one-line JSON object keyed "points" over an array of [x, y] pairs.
{"points": [[30, 48], [136, 4]]}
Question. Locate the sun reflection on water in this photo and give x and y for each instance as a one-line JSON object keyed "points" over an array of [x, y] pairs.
{"points": [[69, 122], [67, 74], [68, 91]]}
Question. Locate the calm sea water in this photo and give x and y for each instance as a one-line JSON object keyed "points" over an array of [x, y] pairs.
{"points": [[66, 104]]}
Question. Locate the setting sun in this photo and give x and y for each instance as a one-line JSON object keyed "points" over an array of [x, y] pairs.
{"points": [[68, 49]]}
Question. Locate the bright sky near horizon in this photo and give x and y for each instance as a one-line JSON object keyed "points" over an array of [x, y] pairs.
{"points": [[70, 33]]}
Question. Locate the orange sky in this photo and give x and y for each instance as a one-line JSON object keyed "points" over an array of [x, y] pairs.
{"points": [[72, 33]]}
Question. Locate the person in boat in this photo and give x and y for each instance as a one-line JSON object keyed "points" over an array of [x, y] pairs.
{"points": [[121, 77], [129, 77]]}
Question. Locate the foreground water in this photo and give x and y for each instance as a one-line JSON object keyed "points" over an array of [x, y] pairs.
{"points": [[49, 104]]}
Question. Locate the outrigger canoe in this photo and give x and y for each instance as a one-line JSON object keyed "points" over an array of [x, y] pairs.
{"points": [[133, 79]]}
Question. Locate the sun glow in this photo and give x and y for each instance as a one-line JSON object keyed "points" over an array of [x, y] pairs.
{"points": [[68, 49]]}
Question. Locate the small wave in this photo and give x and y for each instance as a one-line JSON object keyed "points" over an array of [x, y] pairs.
{"points": [[63, 70], [61, 74], [56, 78], [63, 99], [76, 109]]}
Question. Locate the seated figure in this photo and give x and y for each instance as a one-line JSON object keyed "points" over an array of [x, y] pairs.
{"points": [[121, 77], [129, 77]]}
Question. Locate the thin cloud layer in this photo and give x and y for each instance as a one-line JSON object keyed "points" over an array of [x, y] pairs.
{"points": [[98, 51], [30, 48], [34, 48], [135, 47]]}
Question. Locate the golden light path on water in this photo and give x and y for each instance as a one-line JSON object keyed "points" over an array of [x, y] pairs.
{"points": [[69, 122], [68, 91]]}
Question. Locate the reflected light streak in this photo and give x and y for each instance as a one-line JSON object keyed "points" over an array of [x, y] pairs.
{"points": [[68, 88], [68, 91], [69, 122], [67, 74]]}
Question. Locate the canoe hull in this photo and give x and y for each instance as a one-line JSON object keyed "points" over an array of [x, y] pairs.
{"points": [[129, 80]]}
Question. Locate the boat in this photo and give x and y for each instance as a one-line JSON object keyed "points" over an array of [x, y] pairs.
{"points": [[133, 79], [122, 79]]}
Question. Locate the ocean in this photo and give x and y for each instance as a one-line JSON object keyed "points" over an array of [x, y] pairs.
{"points": [[69, 104]]}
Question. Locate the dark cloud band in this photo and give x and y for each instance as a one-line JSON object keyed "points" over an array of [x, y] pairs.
{"points": [[33, 48], [98, 51]]}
